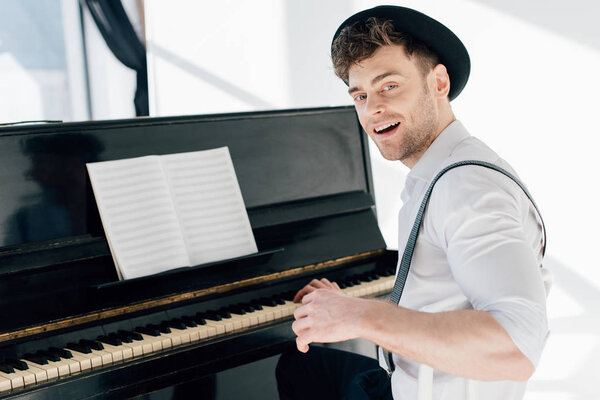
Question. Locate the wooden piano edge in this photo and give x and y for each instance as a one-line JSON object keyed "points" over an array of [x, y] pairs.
{"points": [[55, 326]]}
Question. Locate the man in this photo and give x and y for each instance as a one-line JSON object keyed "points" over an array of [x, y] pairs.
{"points": [[471, 322]]}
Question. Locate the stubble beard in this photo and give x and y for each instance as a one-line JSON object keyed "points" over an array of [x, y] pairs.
{"points": [[418, 137]]}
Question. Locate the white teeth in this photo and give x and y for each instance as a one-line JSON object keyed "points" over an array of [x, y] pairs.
{"points": [[381, 128]]}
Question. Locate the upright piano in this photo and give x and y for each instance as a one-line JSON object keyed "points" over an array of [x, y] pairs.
{"points": [[70, 329]]}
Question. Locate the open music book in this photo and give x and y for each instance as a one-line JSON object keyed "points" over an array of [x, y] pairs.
{"points": [[170, 211]]}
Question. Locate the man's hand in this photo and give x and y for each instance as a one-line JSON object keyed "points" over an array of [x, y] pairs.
{"points": [[326, 316], [315, 284]]}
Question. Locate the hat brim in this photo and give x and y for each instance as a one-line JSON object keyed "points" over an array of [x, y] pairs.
{"points": [[441, 40]]}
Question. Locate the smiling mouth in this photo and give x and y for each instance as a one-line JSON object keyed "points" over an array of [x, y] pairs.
{"points": [[386, 128]]}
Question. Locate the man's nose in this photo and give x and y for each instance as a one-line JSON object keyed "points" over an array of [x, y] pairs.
{"points": [[375, 105]]}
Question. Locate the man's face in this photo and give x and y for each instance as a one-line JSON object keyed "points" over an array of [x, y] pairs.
{"points": [[394, 104]]}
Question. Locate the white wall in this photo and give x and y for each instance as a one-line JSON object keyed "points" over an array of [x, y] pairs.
{"points": [[532, 96]]}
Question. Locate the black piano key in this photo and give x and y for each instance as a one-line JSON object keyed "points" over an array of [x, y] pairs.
{"points": [[18, 364], [114, 340], [289, 295], [121, 336], [7, 369], [63, 353], [36, 358], [79, 347], [256, 304], [159, 327], [50, 355], [147, 331], [215, 315], [278, 300], [92, 343], [342, 285], [189, 322], [131, 335], [207, 315], [267, 301], [176, 323], [235, 309]]}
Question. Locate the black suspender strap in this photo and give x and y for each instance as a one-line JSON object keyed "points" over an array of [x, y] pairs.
{"points": [[412, 239]]}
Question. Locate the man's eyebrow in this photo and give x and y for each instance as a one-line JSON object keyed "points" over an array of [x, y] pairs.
{"points": [[375, 80]]}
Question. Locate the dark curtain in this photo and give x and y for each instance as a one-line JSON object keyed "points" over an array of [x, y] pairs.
{"points": [[116, 28]]}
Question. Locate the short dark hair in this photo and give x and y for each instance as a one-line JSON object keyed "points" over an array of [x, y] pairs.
{"points": [[359, 41]]}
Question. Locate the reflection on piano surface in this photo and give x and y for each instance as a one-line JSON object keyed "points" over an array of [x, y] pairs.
{"points": [[71, 330]]}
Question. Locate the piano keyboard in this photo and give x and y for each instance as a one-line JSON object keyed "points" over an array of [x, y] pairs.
{"points": [[122, 346]]}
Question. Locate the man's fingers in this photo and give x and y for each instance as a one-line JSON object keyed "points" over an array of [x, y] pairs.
{"points": [[315, 284], [301, 312], [301, 293], [302, 344], [299, 325], [326, 282]]}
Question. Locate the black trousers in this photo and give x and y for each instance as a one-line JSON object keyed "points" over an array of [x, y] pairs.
{"points": [[329, 374]]}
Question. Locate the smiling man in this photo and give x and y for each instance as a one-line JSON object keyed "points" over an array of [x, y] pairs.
{"points": [[471, 320]]}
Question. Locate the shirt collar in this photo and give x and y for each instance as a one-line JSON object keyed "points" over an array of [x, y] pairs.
{"points": [[438, 151]]}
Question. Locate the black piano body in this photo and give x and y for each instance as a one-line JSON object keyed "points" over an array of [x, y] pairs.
{"points": [[306, 182]]}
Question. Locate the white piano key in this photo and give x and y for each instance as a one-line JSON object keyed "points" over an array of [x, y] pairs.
{"points": [[27, 375], [40, 374], [16, 380], [91, 360], [51, 370], [253, 318], [240, 321], [115, 352], [221, 326], [105, 356], [85, 364], [63, 368], [5, 385], [74, 365], [288, 308], [166, 341], [275, 310], [179, 337], [151, 344], [194, 332], [204, 331], [262, 316], [136, 348]]}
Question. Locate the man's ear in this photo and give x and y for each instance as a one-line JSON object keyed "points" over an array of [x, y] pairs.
{"points": [[442, 80]]}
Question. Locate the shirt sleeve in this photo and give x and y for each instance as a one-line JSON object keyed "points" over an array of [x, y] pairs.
{"points": [[493, 249]]}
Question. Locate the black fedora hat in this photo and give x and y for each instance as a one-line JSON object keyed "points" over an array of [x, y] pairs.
{"points": [[441, 40]]}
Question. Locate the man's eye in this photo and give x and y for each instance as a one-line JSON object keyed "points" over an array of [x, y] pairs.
{"points": [[360, 97], [389, 87]]}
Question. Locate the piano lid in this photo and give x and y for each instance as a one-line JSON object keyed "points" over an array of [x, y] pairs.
{"points": [[283, 157]]}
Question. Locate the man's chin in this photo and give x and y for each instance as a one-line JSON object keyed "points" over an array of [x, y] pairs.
{"points": [[390, 155]]}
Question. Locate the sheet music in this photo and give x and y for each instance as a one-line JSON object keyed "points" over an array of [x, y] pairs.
{"points": [[138, 216], [210, 206], [165, 212]]}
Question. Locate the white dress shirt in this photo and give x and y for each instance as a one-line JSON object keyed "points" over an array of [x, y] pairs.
{"points": [[479, 247]]}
